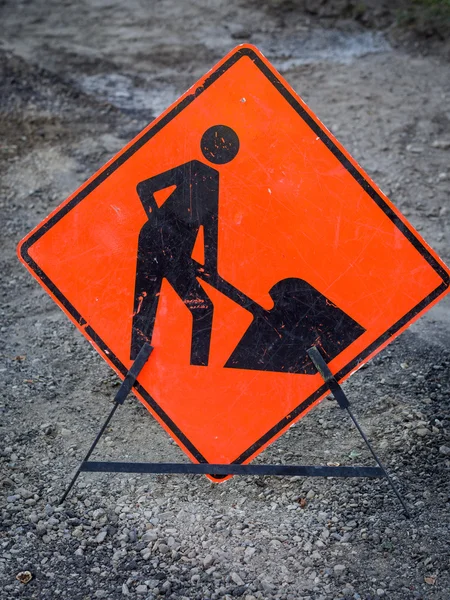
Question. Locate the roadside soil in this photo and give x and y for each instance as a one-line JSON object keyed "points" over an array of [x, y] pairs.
{"points": [[78, 81]]}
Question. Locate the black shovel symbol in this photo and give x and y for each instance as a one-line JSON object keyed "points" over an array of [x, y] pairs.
{"points": [[277, 339]]}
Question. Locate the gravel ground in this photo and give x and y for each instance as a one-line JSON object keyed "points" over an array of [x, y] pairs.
{"points": [[78, 81]]}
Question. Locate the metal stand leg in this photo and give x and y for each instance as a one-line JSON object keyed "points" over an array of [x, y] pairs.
{"points": [[119, 399], [343, 402]]}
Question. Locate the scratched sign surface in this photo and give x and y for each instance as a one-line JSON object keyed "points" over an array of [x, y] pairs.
{"points": [[234, 233]]}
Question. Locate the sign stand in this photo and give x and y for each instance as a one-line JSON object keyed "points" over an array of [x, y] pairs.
{"points": [[234, 469]]}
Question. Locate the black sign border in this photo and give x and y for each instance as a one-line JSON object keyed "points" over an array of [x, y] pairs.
{"points": [[330, 144]]}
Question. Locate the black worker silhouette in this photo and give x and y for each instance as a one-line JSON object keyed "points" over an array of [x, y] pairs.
{"points": [[277, 339], [167, 239]]}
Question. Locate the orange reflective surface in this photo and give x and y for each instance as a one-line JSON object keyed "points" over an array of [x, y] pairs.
{"points": [[292, 203]]}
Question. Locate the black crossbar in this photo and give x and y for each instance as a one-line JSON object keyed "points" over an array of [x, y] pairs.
{"points": [[232, 469]]}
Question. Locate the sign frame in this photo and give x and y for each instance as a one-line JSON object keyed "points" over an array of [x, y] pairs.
{"points": [[346, 161]]}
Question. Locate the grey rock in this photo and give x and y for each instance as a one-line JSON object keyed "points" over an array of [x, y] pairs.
{"points": [[24, 493], [339, 569], [208, 561], [422, 431], [441, 144], [415, 149], [149, 536], [267, 586], [101, 537], [78, 532], [236, 578], [141, 589]]}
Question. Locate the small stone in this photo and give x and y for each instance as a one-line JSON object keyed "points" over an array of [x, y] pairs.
{"points": [[146, 553], [208, 561], [101, 594], [125, 590], [414, 149], [310, 495], [149, 536], [380, 592], [141, 589], [195, 578], [132, 535], [444, 450], [237, 579], [441, 144], [77, 532], [339, 569], [79, 551], [98, 513], [422, 431], [267, 586], [24, 577], [101, 537], [24, 493]]}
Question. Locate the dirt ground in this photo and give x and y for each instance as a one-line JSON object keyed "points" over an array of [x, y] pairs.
{"points": [[78, 81]]}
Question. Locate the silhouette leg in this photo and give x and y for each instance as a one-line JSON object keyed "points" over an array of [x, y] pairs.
{"points": [[145, 304], [196, 300]]}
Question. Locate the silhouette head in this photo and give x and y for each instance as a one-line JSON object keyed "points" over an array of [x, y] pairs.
{"points": [[219, 144]]}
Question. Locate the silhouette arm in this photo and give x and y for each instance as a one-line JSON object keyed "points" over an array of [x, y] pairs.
{"points": [[148, 187]]}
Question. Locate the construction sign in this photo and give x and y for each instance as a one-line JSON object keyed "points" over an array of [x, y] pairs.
{"points": [[233, 234]]}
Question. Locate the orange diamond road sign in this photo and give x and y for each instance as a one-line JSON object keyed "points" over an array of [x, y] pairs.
{"points": [[234, 233]]}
